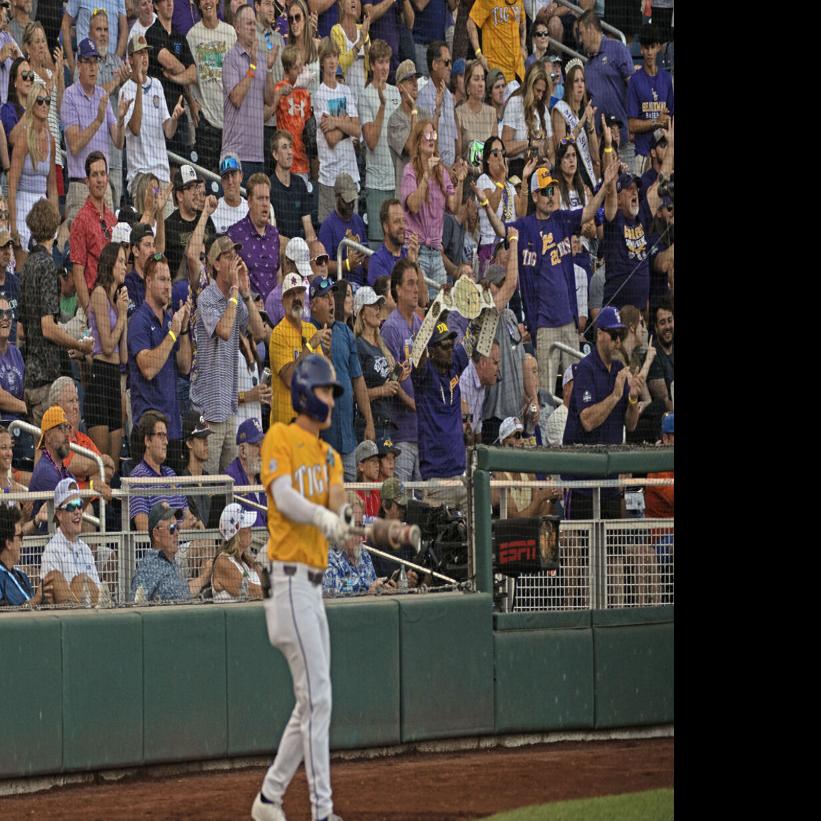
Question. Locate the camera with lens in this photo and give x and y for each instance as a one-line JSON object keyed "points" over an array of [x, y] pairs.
{"points": [[444, 545]]}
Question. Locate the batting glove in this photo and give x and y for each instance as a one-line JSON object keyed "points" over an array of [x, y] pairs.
{"points": [[334, 529]]}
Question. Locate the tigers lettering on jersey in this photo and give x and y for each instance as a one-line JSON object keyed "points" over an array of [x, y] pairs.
{"points": [[315, 477], [502, 15]]}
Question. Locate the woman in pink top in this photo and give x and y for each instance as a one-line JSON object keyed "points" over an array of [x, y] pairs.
{"points": [[425, 190]]}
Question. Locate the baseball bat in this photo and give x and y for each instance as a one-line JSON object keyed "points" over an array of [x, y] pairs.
{"points": [[390, 533]]}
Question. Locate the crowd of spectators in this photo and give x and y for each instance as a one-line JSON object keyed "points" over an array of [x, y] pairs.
{"points": [[177, 182]]}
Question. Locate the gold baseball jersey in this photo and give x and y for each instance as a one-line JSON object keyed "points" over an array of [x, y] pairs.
{"points": [[314, 466]]}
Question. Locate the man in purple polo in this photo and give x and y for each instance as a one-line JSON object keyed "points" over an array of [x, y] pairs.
{"points": [[245, 468], [49, 470], [392, 217], [84, 110], [399, 331], [258, 238]]}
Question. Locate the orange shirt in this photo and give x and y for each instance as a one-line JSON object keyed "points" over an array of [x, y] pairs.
{"points": [[658, 499], [293, 112], [79, 438]]}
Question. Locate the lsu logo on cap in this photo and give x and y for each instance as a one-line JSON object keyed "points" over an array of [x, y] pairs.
{"points": [[388, 443], [442, 328]]}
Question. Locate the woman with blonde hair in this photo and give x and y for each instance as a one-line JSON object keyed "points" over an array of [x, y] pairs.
{"points": [[32, 175], [425, 190], [526, 126], [301, 36], [234, 575], [573, 117]]}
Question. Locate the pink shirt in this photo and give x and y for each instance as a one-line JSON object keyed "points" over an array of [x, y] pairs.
{"points": [[428, 222]]}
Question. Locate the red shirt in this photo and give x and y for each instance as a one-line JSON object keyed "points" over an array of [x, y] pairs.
{"points": [[87, 239], [293, 113], [372, 499]]}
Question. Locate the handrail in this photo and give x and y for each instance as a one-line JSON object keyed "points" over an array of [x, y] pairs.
{"points": [[578, 11], [363, 249], [574, 352], [562, 47], [207, 173], [18, 424]]}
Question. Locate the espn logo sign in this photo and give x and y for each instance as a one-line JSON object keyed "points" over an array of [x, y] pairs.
{"points": [[517, 550]]}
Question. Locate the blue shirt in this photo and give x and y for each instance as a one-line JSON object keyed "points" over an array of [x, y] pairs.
{"points": [[342, 576], [46, 476], [241, 478], [430, 23], [9, 290], [144, 503], [348, 367], [159, 578], [327, 20], [16, 587], [381, 263], [398, 336], [439, 414], [333, 230], [12, 377], [606, 76], [647, 98], [146, 331], [626, 263], [593, 383]]}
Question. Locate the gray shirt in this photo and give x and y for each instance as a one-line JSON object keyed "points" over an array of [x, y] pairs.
{"points": [[426, 105], [506, 397], [399, 127]]}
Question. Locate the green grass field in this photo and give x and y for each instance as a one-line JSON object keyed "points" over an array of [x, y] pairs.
{"points": [[653, 805]]}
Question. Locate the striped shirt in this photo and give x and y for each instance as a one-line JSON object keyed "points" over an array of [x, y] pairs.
{"points": [[143, 503], [214, 376]]}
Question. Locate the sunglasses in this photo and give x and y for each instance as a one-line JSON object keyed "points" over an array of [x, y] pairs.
{"points": [[322, 259], [73, 506], [431, 137], [27, 75], [294, 18], [43, 101], [540, 34], [445, 344], [229, 164], [172, 528], [547, 192], [568, 141], [106, 230], [447, 62], [7, 313], [614, 335]]}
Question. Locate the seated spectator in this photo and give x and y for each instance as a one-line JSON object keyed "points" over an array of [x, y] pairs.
{"points": [[294, 109], [148, 121], [382, 287], [231, 206], [235, 576], [392, 220], [67, 561], [367, 470], [91, 229], [182, 223], [152, 432], [15, 481], [394, 506], [297, 260], [12, 369], [289, 193], [195, 435], [107, 323], [16, 588], [158, 573], [403, 120], [245, 468], [291, 341], [341, 223], [387, 458], [259, 240], [54, 443], [337, 126], [32, 174], [150, 200], [9, 281]]}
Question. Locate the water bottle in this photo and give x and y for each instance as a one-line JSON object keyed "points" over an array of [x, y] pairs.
{"points": [[139, 595], [243, 588], [347, 587], [403, 579]]}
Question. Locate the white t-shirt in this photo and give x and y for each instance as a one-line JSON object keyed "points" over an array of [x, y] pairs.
{"points": [[208, 48], [69, 558], [378, 164], [486, 233], [246, 380], [342, 158], [146, 150], [138, 28], [514, 117], [226, 215]]}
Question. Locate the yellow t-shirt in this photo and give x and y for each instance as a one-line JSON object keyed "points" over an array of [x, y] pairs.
{"points": [[286, 346], [501, 42], [314, 466]]}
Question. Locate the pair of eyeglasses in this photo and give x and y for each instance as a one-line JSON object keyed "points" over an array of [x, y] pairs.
{"points": [[43, 101], [567, 141], [72, 506], [447, 62], [172, 529], [321, 259], [294, 18], [27, 75], [431, 137], [445, 344], [614, 335], [547, 192], [106, 230], [6, 313], [542, 33]]}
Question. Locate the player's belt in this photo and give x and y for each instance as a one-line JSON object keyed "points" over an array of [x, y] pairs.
{"points": [[314, 576]]}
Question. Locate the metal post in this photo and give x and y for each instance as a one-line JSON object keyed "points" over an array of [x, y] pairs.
{"points": [[484, 532], [363, 249]]}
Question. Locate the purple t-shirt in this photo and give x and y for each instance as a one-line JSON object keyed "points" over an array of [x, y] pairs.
{"points": [[647, 98], [387, 28], [428, 222], [80, 109], [333, 230], [399, 338], [626, 262], [184, 16], [606, 77], [12, 375], [439, 415], [241, 133], [327, 20], [240, 478], [46, 476], [430, 23], [381, 263], [260, 253]]}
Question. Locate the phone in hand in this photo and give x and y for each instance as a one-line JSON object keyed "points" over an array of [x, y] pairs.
{"points": [[395, 373], [475, 152]]}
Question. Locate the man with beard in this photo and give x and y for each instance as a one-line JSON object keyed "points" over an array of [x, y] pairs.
{"points": [[661, 375], [245, 468], [392, 217], [345, 223], [49, 470], [292, 340]]}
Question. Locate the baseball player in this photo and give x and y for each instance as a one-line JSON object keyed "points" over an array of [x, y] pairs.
{"points": [[302, 476]]}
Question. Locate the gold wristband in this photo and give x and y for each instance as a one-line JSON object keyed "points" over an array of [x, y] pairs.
{"points": [[477, 51], [609, 149], [632, 399], [242, 396], [484, 203], [234, 300], [172, 335], [308, 346], [500, 185], [91, 484]]}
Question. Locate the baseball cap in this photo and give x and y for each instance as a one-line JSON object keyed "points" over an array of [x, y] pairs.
{"points": [[346, 187], [625, 181], [320, 287], [405, 71], [297, 251], [86, 50], [508, 427], [365, 450], [609, 319], [53, 417], [195, 425], [667, 422], [394, 491], [250, 432], [458, 67], [387, 446], [229, 163], [66, 489], [220, 245], [649, 35], [659, 136], [569, 374], [495, 274], [492, 76], [514, 180], [184, 177], [138, 231], [5, 239], [160, 512], [291, 282], [612, 119], [121, 233], [235, 517], [440, 332], [137, 43], [541, 179], [365, 296]]}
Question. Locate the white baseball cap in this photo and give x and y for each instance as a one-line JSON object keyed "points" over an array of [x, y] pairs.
{"points": [[508, 427], [297, 251], [365, 296], [66, 489], [233, 518], [121, 233], [291, 282]]}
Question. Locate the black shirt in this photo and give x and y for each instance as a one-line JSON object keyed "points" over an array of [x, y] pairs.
{"points": [[158, 38], [290, 205], [177, 233]]}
